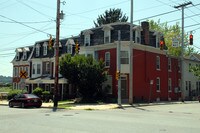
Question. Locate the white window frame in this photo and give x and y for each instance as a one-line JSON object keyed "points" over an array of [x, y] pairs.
{"points": [[87, 39], [47, 68], [18, 56], [45, 48], [124, 57], [37, 50], [38, 70], [157, 62], [69, 48], [107, 59], [24, 55], [158, 84], [33, 69], [107, 34], [169, 85]]}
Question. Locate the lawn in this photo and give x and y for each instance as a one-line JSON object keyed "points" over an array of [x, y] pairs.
{"points": [[5, 89]]}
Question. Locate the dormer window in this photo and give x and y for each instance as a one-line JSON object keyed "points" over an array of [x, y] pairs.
{"points": [[87, 40], [18, 51], [17, 56], [45, 48], [87, 35], [107, 33], [24, 55], [69, 44], [137, 30], [37, 50]]}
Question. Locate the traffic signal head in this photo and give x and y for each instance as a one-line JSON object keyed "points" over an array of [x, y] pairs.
{"points": [[191, 39], [117, 75], [77, 48], [162, 43]]}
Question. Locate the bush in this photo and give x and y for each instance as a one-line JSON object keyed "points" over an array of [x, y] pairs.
{"points": [[38, 91], [46, 96], [12, 93]]}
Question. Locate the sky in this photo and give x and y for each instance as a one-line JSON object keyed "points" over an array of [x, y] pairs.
{"points": [[23, 22]]}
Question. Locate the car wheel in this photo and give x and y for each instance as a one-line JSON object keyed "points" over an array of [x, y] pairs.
{"points": [[10, 105], [22, 105]]}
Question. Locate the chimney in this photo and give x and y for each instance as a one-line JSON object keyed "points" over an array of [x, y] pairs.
{"points": [[145, 27]]}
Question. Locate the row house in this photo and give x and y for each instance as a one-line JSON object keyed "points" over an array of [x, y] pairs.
{"points": [[191, 82], [156, 75]]}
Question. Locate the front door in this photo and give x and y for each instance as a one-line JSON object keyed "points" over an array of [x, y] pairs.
{"points": [[124, 90]]}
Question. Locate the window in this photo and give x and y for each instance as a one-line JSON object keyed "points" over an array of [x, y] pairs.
{"points": [[189, 67], [18, 56], [24, 55], [87, 40], [169, 84], [33, 67], [124, 57], [69, 48], [45, 49], [169, 64], [107, 59], [37, 50], [158, 84], [107, 36], [47, 68], [38, 69], [157, 63], [16, 71]]}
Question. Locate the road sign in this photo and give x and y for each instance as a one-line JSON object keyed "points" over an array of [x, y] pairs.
{"points": [[175, 42], [23, 74]]}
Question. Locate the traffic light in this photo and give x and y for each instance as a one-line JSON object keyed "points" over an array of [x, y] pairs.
{"points": [[117, 75], [191, 39], [77, 48], [50, 44], [162, 43]]}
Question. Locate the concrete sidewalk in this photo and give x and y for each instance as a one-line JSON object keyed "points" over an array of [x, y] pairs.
{"points": [[104, 106]]}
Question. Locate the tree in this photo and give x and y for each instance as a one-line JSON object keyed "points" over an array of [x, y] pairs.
{"points": [[169, 33], [85, 73], [111, 16]]}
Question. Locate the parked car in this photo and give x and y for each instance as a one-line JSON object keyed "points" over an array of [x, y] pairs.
{"points": [[25, 100]]}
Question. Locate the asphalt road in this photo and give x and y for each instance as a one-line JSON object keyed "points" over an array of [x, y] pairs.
{"points": [[175, 118]]}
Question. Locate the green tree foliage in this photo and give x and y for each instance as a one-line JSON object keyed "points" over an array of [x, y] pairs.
{"points": [[170, 32], [85, 73], [196, 71], [38, 91], [111, 16]]}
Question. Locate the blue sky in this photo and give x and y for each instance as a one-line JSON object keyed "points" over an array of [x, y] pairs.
{"points": [[79, 15]]}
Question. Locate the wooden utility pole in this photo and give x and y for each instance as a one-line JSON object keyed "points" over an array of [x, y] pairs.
{"points": [[56, 85]]}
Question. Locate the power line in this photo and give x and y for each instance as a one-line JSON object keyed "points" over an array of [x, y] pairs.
{"points": [[24, 24], [34, 9], [36, 22]]}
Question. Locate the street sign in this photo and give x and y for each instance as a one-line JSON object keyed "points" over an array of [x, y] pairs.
{"points": [[23, 74], [175, 42]]}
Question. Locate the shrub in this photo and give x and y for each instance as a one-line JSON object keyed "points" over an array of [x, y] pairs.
{"points": [[12, 93], [38, 91], [46, 96]]}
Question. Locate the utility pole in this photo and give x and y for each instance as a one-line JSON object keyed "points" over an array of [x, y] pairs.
{"points": [[131, 58], [182, 6], [56, 85], [119, 67]]}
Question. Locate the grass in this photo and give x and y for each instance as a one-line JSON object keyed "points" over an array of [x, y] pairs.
{"points": [[65, 106]]}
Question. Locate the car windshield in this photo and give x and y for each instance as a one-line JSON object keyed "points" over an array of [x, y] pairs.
{"points": [[31, 96]]}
